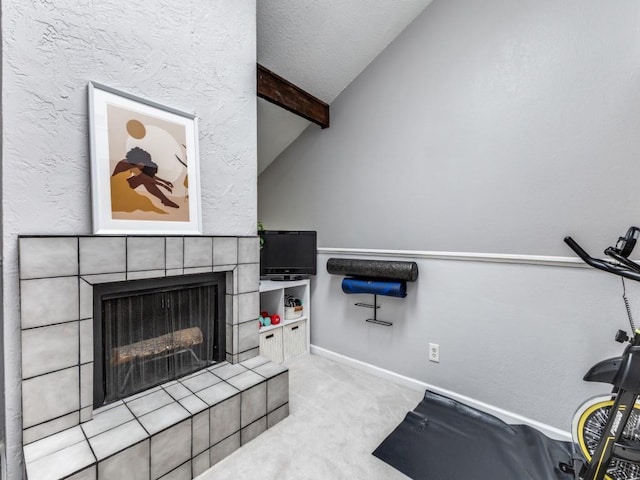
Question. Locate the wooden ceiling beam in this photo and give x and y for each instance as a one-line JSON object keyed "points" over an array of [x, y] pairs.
{"points": [[285, 94]]}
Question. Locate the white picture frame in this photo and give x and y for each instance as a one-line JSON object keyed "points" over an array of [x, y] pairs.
{"points": [[145, 174]]}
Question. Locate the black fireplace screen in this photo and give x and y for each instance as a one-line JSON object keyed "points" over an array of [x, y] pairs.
{"points": [[153, 331]]}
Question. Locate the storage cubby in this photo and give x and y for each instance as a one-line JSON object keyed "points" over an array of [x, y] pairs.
{"points": [[291, 336]]}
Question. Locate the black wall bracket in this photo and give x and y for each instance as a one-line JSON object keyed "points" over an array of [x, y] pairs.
{"points": [[375, 307]]}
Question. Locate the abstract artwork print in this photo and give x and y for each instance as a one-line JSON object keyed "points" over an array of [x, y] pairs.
{"points": [[144, 166], [147, 157]]}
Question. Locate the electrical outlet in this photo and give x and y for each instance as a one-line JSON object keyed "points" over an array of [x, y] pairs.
{"points": [[434, 352]]}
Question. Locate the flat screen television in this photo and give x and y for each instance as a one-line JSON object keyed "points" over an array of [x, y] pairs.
{"points": [[287, 254]]}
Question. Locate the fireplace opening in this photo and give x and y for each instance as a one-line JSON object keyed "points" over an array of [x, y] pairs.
{"points": [[148, 332]]}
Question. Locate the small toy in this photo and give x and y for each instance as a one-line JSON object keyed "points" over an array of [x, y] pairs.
{"points": [[275, 319]]}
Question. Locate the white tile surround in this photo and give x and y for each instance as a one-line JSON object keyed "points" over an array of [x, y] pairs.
{"points": [[173, 431]]}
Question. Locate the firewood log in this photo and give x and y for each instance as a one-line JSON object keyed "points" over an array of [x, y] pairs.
{"points": [[155, 346]]}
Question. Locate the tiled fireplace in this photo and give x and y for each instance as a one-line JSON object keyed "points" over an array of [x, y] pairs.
{"points": [[174, 430]]}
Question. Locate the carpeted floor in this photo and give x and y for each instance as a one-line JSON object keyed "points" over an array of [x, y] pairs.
{"points": [[338, 416]]}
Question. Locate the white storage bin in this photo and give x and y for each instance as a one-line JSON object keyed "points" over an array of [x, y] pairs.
{"points": [[295, 339], [271, 345]]}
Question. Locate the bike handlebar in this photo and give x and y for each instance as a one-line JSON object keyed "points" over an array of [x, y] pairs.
{"points": [[628, 269], [625, 261]]}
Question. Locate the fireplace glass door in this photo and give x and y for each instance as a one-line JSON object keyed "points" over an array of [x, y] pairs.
{"points": [[154, 335]]}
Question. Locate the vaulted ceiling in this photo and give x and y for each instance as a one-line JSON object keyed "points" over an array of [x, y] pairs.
{"points": [[321, 47]]}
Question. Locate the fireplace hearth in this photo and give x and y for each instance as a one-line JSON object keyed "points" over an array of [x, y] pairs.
{"points": [[230, 396]]}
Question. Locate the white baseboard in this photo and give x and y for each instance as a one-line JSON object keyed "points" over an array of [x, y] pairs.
{"points": [[414, 384]]}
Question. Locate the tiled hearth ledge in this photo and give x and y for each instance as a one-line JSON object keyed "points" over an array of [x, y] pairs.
{"points": [[172, 432], [57, 274]]}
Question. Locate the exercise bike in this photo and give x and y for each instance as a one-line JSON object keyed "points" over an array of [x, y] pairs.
{"points": [[606, 430]]}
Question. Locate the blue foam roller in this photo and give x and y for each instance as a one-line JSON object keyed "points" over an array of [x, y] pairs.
{"points": [[376, 287]]}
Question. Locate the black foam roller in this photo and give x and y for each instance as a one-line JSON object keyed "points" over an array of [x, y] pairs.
{"points": [[393, 270]]}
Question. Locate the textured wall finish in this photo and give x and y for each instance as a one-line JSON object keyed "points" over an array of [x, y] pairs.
{"points": [[304, 42], [489, 126], [285, 27], [197, 56]]}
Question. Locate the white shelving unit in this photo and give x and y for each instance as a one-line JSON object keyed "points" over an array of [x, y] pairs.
{"points": [[291, 337]]}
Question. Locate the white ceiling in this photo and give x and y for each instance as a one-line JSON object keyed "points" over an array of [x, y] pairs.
{"points": [[320, 46]]}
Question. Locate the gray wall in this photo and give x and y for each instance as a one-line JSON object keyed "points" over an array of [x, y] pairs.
{"points": [[516, 336], [197, 56], [490, 126]]}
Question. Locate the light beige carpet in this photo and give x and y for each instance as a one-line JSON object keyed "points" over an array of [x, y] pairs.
{"points": [[338, 416]]}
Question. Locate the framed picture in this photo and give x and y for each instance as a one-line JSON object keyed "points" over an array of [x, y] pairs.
{"points": [[144, 166]]}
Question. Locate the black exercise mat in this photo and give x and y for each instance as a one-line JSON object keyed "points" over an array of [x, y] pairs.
{"points": [[442, 439]]}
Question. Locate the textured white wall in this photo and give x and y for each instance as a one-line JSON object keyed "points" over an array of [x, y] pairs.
{"points": [[491, 126], [197, 56]]}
